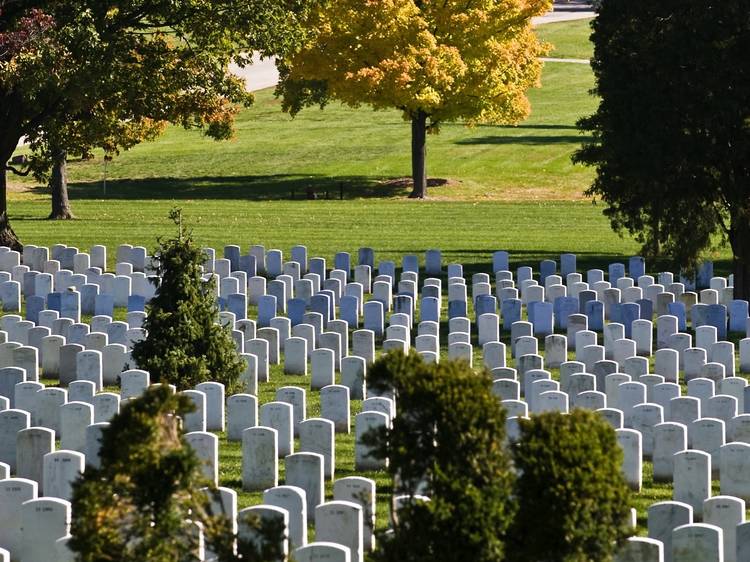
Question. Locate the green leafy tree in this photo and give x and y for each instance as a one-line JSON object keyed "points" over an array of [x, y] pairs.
{"points": [[184, 345], [148, 492], [435, 61], [670, 137], [99, 129], [573, 501], [447, 442], [88, 63]]}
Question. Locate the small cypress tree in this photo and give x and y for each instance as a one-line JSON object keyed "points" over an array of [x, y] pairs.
{"points": [[137, 505], [447, 442], [573, 502], [184, 345]]}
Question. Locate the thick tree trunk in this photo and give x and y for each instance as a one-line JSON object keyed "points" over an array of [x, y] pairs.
{"points": [[59, 186], [7, 236], [739, 238], [419, 155]]}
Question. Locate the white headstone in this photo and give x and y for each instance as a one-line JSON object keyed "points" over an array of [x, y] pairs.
{"points": [[692, 479], [669, 438], [214, 392], [206, 447], [293, 500], [360, 491], [665, 517], [632, 467], [279, 416], [316, 435], [305, 470], [242, 412], [734, 460], [260, 465], [363, 423], [334, 406], [697, 542], [31, 446], [43, 522], [75, 417], [725, 512], [341, 522], [14, 492], [61, 469]]}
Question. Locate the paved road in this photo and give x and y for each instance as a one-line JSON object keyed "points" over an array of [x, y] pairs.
{"points": [[566, 11], [259, 75], [574, 61]]}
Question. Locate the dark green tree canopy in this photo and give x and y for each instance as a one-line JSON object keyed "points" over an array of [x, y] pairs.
{"points": [[136, 504], [98, 62], [670, 137], [573, 502], [143, 501], [447, 442]]}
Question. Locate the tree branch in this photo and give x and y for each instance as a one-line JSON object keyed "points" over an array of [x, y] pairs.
{"points": [[18, 172]]}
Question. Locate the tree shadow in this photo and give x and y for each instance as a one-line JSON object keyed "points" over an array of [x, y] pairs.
{"points": [[256, 188], [541, 127], [481, 261], [523, 257], [525, 139]]}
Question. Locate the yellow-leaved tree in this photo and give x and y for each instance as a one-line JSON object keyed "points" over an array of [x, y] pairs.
{"points": [[435, 60]]}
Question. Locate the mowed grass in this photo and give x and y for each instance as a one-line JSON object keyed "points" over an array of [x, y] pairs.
{"points": [[569, 39], [274, 156], [466, 232]]}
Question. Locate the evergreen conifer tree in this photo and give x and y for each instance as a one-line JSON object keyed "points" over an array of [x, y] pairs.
{"points": [[148, 496], [184, 344]]}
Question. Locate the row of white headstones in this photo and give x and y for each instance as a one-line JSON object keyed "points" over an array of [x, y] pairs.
{"points": [[634, 407]]}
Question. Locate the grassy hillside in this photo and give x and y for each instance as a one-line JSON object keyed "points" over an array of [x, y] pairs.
{"points": [[272, 154], [569, 39]]}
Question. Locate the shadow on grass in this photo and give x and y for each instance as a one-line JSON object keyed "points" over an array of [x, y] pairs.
{"points": [[532, 257], [509, 137], [540, 127], [525, 257], [525, 139], [268, 187]]}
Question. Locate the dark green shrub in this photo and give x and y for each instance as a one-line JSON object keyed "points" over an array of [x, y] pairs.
{"points": [[184, 345], [447, 442], [135, 506], [573, 502]]}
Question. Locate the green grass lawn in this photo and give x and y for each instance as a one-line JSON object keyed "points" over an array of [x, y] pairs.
{"points": [[467, 232], [569, 39], [274, 156]]}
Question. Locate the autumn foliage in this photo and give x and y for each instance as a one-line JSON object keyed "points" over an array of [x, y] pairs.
{"points": [[434, 60]]}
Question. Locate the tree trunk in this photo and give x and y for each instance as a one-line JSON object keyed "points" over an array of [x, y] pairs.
{"points": [[656, 233], [59, 186], [419, 155], [7, 236], [739, 239]]}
